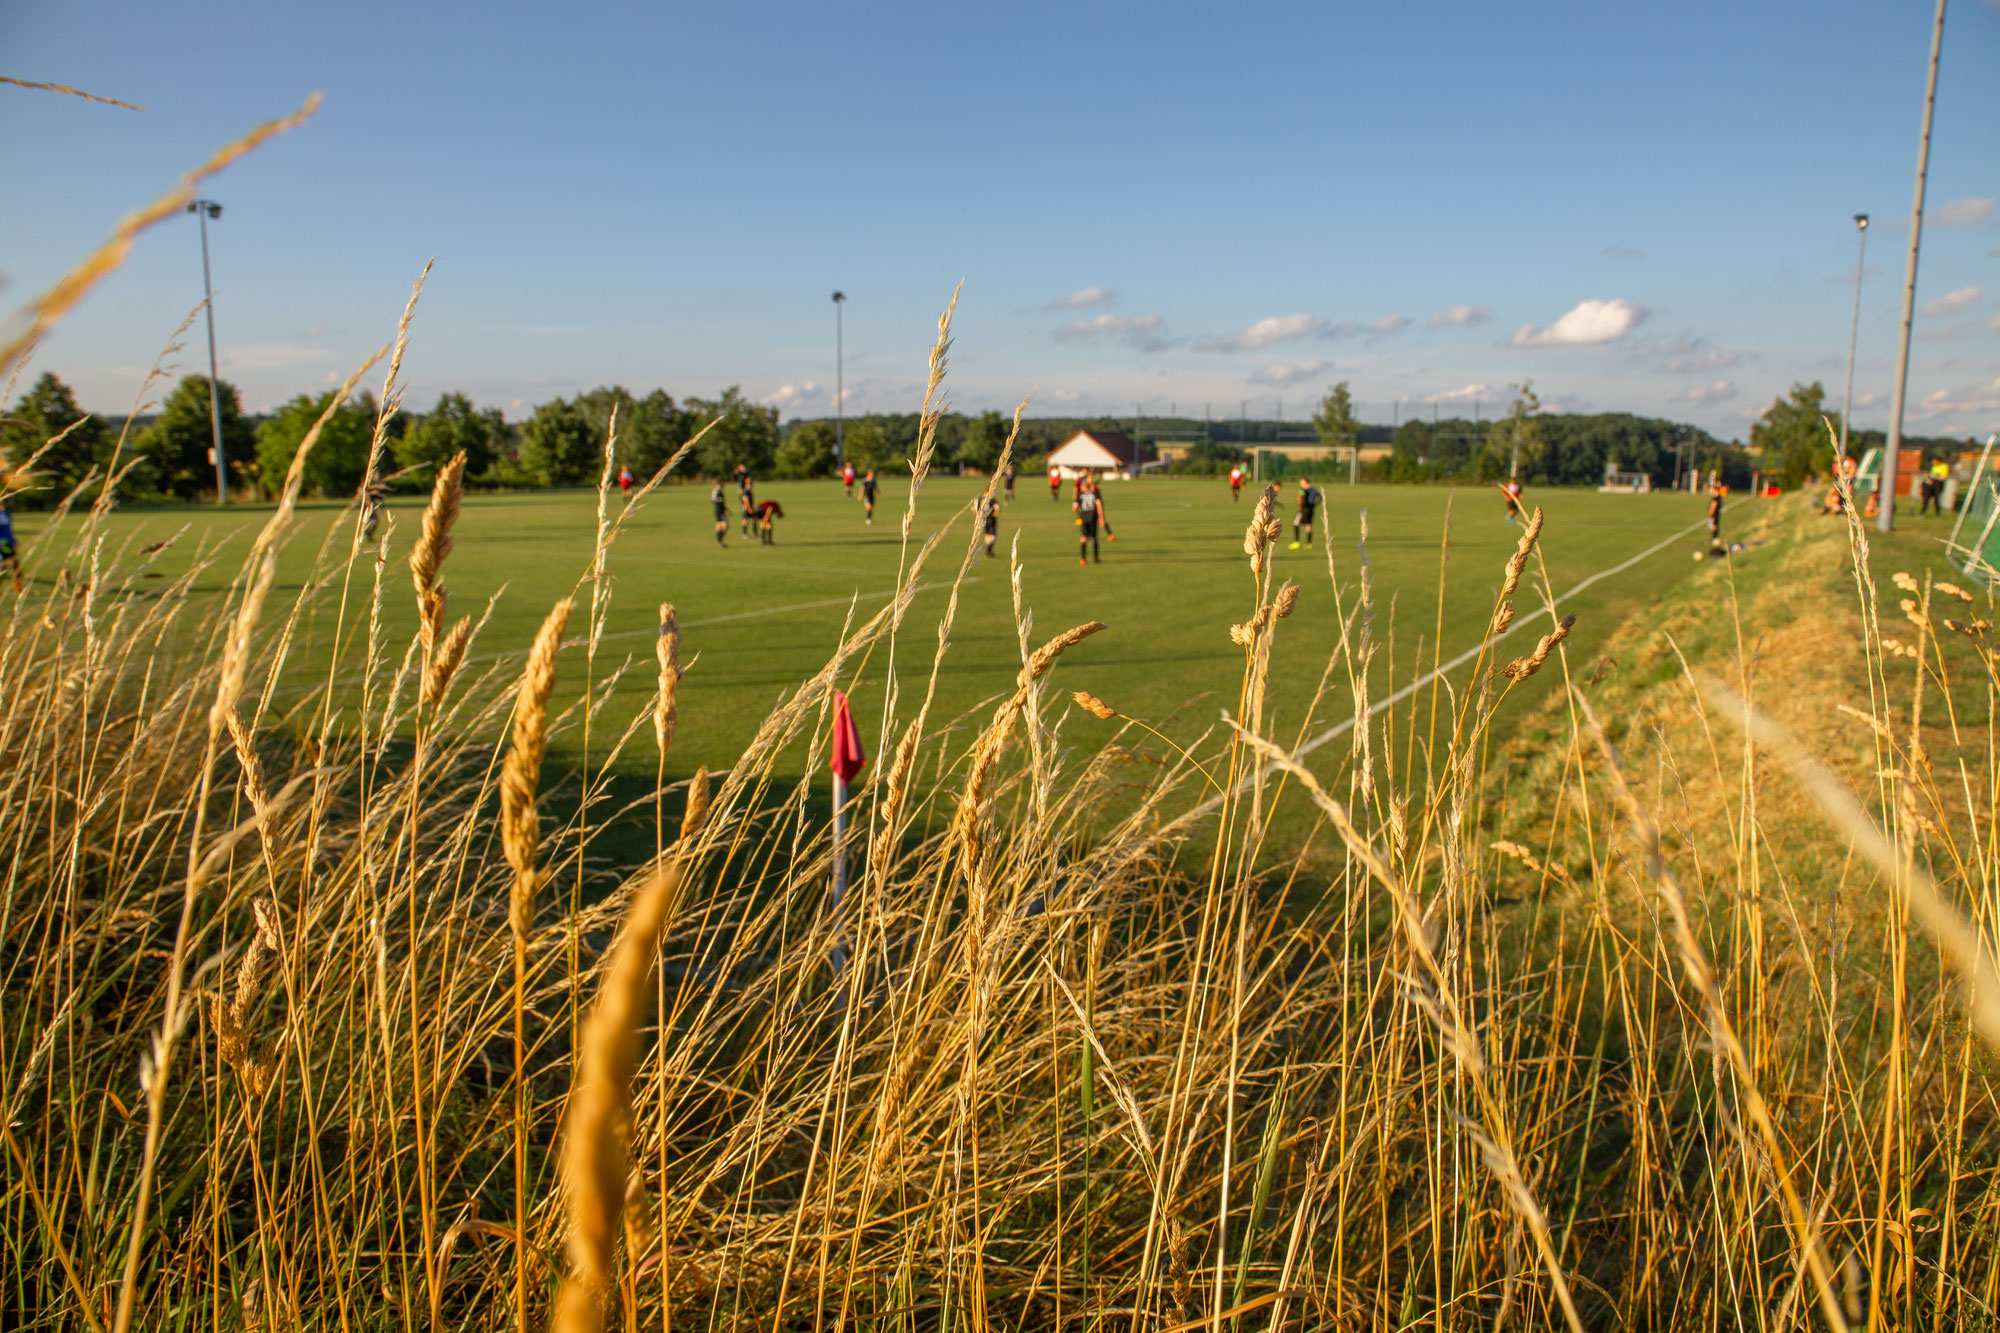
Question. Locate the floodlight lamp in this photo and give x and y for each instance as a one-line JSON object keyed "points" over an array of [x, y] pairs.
{"points": [[839, 297], [1861, 221]]}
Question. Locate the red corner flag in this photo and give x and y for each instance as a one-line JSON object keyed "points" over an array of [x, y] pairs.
{"points": [[848, 758]]}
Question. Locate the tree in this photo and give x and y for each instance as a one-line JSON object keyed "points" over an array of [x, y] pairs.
{"points": [[807, 450], [983, 441], [867, 444], [453, 427], [1516, 441], [1335, 419], [339, 457], [658, 431], [178, 443], [45, 412], [558, 447], [743, 433], [1793, 435]]}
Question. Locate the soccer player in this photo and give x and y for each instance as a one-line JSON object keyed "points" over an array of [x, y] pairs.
{"points": [[625, 482], [1512, 490], [1236, 482], [716, 498], [766, 512], [989, 519], [1055, 483], [1103, 514], [1007, 479], [1715, 494], [1303, 519], [847, 479], [746, 495], [1087, 514], [10, 554], [868, 495], [1933, 491]]}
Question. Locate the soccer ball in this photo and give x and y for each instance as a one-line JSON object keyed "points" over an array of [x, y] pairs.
{"points": [[1699, 556]]}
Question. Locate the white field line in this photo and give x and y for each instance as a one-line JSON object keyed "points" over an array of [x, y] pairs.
{"points": [[651, 633], [1340, 729]]}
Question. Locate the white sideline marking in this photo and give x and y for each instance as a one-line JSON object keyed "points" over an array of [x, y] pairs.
{"points": [[1340, 729]]}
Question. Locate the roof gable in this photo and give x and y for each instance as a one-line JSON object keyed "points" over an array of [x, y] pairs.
{"points": [[1115, 443]]}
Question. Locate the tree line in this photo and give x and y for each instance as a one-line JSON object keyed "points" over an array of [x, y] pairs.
{"points": [[562, 441]]}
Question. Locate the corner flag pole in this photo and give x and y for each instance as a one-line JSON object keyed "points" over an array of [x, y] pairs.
{"points": [[848, 761]]}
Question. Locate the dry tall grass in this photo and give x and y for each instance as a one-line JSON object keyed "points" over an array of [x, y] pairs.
{"points": [[1081, 1047]]}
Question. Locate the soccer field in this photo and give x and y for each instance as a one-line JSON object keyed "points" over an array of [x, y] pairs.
{"points": [[757, 620]]}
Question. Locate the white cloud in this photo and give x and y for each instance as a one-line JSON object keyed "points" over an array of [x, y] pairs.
{"points": [[1469, 393], [1145, 332], [1083, 298], [1289, 374], [1964, 212], [1951, 301], [1705, 394], [800, 399], [1354, 328], [1459, 317], [1981, 398], [1274, 329], [270, 356], [1587, 322]]}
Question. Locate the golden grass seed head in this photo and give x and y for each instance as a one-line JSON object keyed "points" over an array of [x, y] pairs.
{"points": [[697, 805], [1903, 580], [666, 711], [1519, 560], [1090, 703], [1952, 590], [1044, 657], [1288, 599], [520, 827], [1501, 619], [1177, 1264], [427, 557], [450, 655]]}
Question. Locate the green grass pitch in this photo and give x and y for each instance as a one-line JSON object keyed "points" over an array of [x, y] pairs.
{"points": [[756, 620]]}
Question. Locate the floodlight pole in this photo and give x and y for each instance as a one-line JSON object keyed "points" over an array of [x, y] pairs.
{"points": [[1853, 333], [839, 377], [204, 209], [1885, 479]]}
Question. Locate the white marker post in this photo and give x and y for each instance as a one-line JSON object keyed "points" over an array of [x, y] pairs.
{"points": [[848, 761]]}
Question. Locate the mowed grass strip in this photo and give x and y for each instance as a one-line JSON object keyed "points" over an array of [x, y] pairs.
{"points": [[758, 619]]}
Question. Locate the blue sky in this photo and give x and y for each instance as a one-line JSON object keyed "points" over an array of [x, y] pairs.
{"points": [[1159, 205]]}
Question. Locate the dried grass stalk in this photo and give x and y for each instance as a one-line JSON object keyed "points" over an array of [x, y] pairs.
{"points": [[520, 826], [427, 557], [1523, 667], [596, 1135], [1519, 560]]}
